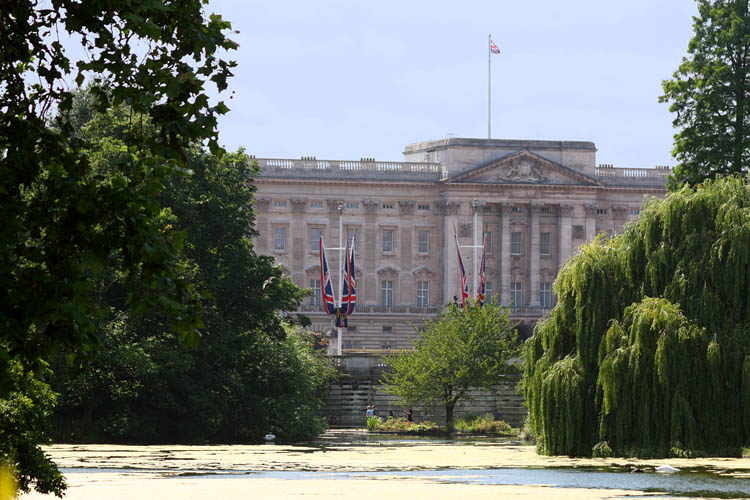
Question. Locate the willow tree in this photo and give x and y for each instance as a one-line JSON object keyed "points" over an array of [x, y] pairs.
{"points": [[647, 352]]}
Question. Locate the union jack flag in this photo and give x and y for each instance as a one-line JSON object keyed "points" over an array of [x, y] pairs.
{"points": [[494, 48], [349, 295], [462, 275], [326, 288], [481, 290]]}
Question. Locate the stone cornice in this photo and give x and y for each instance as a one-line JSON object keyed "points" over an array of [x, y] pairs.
{"points": [[468, 186]]}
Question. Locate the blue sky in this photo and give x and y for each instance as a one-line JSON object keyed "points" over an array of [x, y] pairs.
{"points": [[348, 79]]}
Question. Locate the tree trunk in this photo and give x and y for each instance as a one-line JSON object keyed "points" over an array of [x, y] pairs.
{"points": [[449, 416]]}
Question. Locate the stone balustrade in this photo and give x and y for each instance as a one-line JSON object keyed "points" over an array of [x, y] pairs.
{"points": [[608, 170], [310, 165]]}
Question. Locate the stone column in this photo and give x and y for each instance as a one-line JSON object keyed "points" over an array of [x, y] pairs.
{"points": [[299, 241], [367, 245], [504, 254], [620, 215], [590, 211], [449, 212], [406, 286], [565, 235], [478, 230], [534, 275]]}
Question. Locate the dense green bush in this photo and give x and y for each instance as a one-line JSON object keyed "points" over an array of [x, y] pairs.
{"points": [[483, 425]]}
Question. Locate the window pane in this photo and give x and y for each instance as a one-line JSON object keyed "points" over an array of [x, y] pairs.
{"points": [[315, 239], [516, 296], [423, 293], [545, 294], [388, 240], [515, 243], [279, 238], [424, 242], [489, 241], [316, 298], [386, 295], [544, 243], [488, 290]]}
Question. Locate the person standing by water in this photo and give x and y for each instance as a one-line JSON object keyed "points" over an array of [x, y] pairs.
{"points": [[409, 415]]}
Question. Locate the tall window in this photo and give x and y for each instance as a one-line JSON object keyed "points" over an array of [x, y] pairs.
{"points": [[423, 241], [515, 243], [316, 297], [489, 242], [386, 293], [545, 294], [353, 232], [423, 293], [387, 240], [315, 239], [487, 290], [279, 238], [516, 295], [544, 243]]}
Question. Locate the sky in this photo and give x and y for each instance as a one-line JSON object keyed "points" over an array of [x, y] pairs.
{"points": [[346, 79]]}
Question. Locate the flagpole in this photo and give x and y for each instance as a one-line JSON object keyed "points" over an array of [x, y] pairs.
{"points": [[341, 281], [489, 87], [475, 205]]}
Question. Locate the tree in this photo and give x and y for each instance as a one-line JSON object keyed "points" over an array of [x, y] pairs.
{"points": [[647, 351], [64, 222], [710, 95], [454, 352], [251, 374]]}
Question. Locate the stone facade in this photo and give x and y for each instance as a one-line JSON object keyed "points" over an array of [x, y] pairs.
{"points": [[536, 200]]}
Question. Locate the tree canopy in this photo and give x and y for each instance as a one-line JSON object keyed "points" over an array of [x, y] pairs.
{"points": [[460, 349], [710, 95], [647, 352], [65, 220], [251, 374]]}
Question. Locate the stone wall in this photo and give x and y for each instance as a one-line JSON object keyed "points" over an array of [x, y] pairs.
{"points": [[358, 387]]}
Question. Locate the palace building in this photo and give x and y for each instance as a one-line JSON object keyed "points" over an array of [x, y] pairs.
{"points": [[536, 201]]}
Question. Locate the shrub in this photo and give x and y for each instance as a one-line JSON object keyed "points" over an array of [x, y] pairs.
{"points": [[374, 424], [482, 425]]}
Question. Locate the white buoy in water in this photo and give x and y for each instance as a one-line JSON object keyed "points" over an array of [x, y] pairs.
{"points": [[270, 437], [668, 469]]}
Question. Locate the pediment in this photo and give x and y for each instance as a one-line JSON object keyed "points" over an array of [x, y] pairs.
{"points": [[388, 271], [523, 167], [423, 272]]}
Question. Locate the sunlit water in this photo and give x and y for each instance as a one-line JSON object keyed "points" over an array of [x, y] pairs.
{"points": [[690, 482]]}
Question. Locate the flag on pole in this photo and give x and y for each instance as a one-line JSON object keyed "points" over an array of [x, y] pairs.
{"points": [[326, 287], [481, 288], [462, 276], [349, 295], [494, 48]]}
